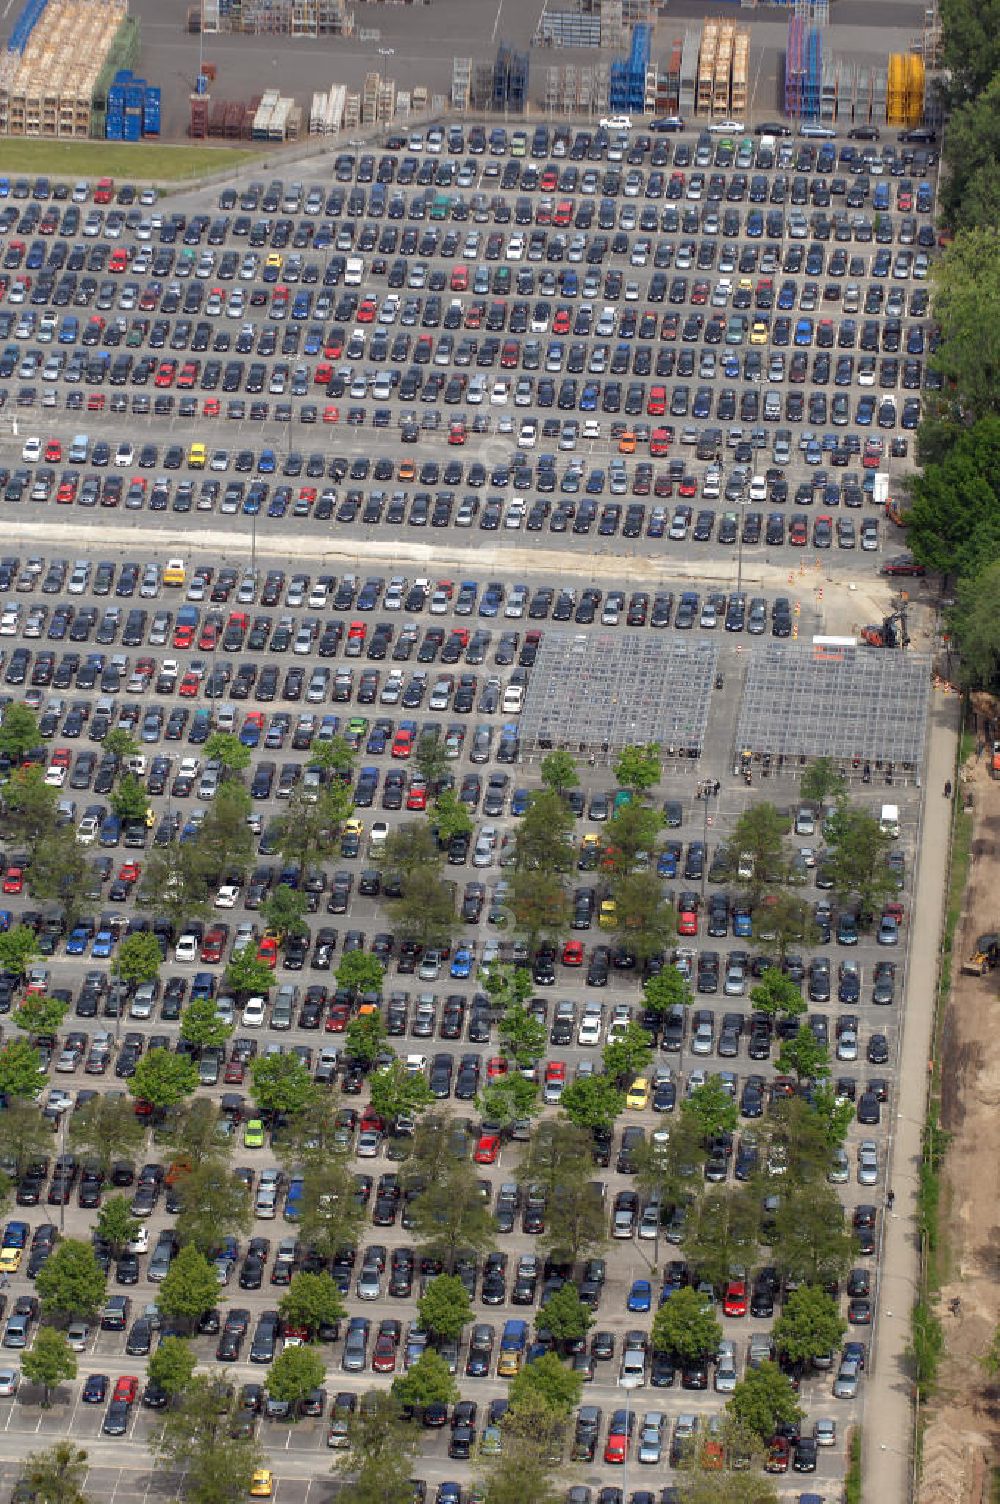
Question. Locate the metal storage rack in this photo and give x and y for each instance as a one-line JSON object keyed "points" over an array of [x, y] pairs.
{"points": [[830, 699], [598, 693]]}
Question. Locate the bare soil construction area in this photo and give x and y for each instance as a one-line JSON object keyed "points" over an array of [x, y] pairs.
{"points": [[962, 1435]]}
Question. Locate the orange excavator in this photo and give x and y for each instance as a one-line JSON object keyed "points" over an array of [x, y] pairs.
{"points": [[890, 633]]}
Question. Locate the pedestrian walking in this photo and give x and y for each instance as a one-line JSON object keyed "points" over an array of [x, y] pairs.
{"points": [[947, 789], [890, 1198]]}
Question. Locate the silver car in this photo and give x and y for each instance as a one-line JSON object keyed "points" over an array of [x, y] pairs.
{"points": [[651, 1436], [845, 1385]]}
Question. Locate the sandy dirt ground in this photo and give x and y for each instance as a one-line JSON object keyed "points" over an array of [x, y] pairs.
{"points": [[962, 1436]]}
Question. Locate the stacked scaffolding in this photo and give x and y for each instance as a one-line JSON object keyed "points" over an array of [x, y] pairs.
{"points": [[740, 90], [567, 28], [481, 87], [48, 88], [723, 67], [905, 98], [706, 68], [510, 79], [576, 91], [461, 83], [690, 53], [803, 69], [296, 18], [628, 75], [828, 699], [604, 691]]}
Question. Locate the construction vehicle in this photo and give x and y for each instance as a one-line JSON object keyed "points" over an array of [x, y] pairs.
{"points": [[891, 633], [995, 760], [985, 958]]}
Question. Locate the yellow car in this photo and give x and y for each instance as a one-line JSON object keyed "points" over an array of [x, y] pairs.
{"points": [[638, 1094], [262, 1483], [273, 261], [758, 334], [197, 457], [10, 1260], [607, 919], [353, 828]]}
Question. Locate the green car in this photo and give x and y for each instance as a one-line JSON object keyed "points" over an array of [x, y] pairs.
{"points": [[253, 1134]]}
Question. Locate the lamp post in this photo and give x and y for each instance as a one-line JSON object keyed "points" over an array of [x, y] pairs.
{"points": [[628, 1382], [708, 789]]}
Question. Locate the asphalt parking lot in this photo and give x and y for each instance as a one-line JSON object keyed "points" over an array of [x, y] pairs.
{"points": [[327, 497]]}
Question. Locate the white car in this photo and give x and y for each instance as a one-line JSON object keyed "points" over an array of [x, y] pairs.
{"points": [[31, 449], [589, 1031], [186, 948], [616, 123], [9, 1380], [254, 1010], [227, 896], [729, 128], [77, 1334], [140, 1243]]}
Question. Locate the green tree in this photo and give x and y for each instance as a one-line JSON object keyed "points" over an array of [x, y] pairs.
{"points": [[225, 841], [712, 1109], [283, 911], [559, 1154], [592, 1101], [293, 1373], [426, 911], [968, 198], [804, 1057], [639, 768], [360, 971], [330, 1214], [312, 823], [544, 842], [334, 756], [19, 732], [175, 883], [59, 873], [574, 1218], [822, 781], [522, 1036], [776, 993], [966, 282], [539, 905], [195, 1439], [784, 918], [138, 958], [667, 989], [191, 1287], [409, 848], [451, 818], [953, 517], [444, 1307], [130, 800], [312, 1301], [201, 1025], [106, 1128], [811, 1242], [686, 1326], [380, 1452], [366, 1038], [172, 1365], [559, 772], [116, 1224], [628, 1055], [71, 1283], [18, 949], [57, 1475], [970, 33], [280, 1083], [974, 623], [21, 1075], [30, 805], [763, 1399], [49, 1361], [802, 1130], [721, 1232], [227, 749], [565, 1315], [508, 986], [858, 849], [246, 975], [534, 1438], [547, 1378], [646, 920], [213, 1199], [396, 1092], [507, 1099], [195, 1132], [120, 744], [833, 1116], [630, 838], [40, 1015], [758, 836], [430, 758], [26, 1134], [427, 1382], [450, 1215], [163, 1079], [810, 1324]]}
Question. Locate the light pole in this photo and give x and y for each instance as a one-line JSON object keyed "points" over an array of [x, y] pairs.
{"points": [[628, 1382], [708, 789]]}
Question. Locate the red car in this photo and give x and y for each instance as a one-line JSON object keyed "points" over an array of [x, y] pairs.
{"points": [[496, 1066], [487, 1149], [267, 951], [188, 687], [183, 637], [129, 872], [417, 797], [616, 1448], [798, 532], [384, 1354], [13, 880], [402, 744], [127, 1389], [735, 1300], [338, 1019], [572, 953], [687, 921], [779, 1454], [53, 452]]}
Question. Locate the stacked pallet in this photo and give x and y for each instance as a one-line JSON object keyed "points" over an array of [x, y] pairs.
{"points": [[723, 68], [47, 90], [741, 71], [706, 68]]}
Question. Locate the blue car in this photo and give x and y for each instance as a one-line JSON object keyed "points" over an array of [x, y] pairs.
{"points": [[520, 799], [267, 463], [104, 944], [640, 1297], [461, 964], [76, 945]]}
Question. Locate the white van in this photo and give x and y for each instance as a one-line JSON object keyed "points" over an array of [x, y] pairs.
{"points": [[513, 699], [354, 271], [889, 820]]}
